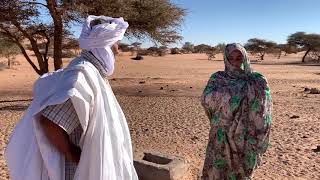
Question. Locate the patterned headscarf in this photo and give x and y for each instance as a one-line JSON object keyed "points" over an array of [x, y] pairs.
{"points": [[245, 66]]}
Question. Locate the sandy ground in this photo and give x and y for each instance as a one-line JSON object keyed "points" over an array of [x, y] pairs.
{"points": [[160, 98]]}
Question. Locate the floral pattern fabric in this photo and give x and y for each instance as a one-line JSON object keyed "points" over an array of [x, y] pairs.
{"points": [[238, 105]]}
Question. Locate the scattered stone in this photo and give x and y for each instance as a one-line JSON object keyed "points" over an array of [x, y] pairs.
{"points": [[140, 91], [146, 130], [173, 90], [156, 166], [306, 89], [194, 138], [304, 137], [294, 117], [314, 91], [316, 150], [286, 162], [142, 82], [138, 57], [161, 88], [190, 87], [113, 79]]}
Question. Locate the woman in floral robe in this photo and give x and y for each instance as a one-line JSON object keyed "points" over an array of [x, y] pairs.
{"points": [[238, 104]]}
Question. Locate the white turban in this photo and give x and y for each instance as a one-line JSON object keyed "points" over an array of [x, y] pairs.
{"points": [[101, 37]]}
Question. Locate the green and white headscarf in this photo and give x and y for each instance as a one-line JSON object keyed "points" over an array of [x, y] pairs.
{"points": [[245, 66]]}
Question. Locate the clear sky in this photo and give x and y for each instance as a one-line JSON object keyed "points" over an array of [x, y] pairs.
{"points": [[215, 21]]}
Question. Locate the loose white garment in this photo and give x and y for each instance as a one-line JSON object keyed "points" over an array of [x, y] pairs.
{"points": [[105, 142], [100, 38]]}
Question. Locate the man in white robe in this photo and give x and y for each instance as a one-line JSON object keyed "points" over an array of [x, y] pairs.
{"points": [[74, 127]]}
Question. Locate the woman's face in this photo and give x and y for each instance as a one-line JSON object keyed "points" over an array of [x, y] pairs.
{"points": [[235, 58]]}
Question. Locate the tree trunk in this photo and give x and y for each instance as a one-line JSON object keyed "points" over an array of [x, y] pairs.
{"points": [[305, 55], [57, 52], [9, 63], [38, 71], [45, 55], [262, 57], [58, 33], [35, 48], [279, 55]]}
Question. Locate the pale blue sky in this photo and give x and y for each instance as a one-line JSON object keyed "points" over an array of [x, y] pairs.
{"points": [[215, 21]]}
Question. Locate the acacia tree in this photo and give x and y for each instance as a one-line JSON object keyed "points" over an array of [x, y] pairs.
{"points": [[136, 46], [315, 54], [260, 47], [305, 42], [213, 51], [8, 50], [175, 50], [20, 20], [124, 47], [188, 47], [220, 47], [286, 48], [71, 44], [202, 48]]}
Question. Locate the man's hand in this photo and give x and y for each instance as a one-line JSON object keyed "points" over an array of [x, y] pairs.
{"points": [[115, 48], [74, 155], [60, 139]]}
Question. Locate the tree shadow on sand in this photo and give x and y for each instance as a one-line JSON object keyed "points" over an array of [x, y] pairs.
{"points": [[16, 100], [206, 59], [286, 63], [14, 108]]}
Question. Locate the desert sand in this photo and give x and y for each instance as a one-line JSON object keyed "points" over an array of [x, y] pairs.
{"points": [[160, 98]]}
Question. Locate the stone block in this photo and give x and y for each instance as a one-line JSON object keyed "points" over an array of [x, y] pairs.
{"points": [[156, 166]]}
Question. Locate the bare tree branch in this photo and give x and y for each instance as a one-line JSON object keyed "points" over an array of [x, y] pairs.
{"points": [[45, 35], [33, 43], [16, 41], [34, 3]]}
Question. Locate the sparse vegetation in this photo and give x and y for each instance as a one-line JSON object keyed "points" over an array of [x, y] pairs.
{"points": [[8, 50], [188, 48], [20, 20], [175, 51], [286, 48], [219, 48], [310, 43], [260, 47]]}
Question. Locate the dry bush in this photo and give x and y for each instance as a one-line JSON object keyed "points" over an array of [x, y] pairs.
{"points": [[3, 65], [69, 54]]}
